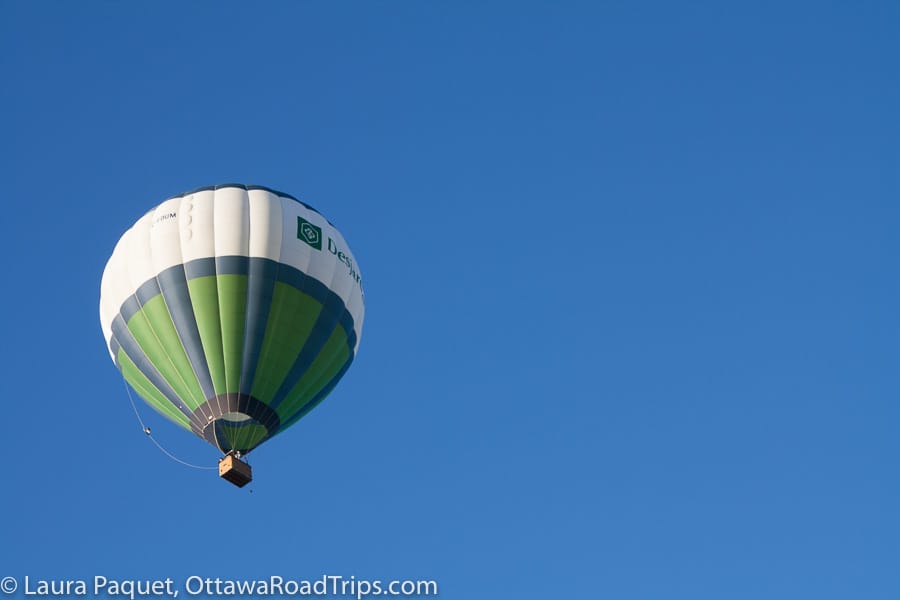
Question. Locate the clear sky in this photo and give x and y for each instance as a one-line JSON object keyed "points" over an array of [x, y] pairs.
{"points": [[631, 279]]}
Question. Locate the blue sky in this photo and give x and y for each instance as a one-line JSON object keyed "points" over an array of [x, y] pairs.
{"points": [[630, 270]]}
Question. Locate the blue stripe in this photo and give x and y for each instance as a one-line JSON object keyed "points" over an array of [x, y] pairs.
{"points": [[333, 310], [200, 267], [174, 288], [232, 265], [261, 277], [322, 294], [318, 398], [125, 341]]}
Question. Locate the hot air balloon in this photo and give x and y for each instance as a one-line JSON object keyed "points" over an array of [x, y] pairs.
{"points": [[233, 310]]}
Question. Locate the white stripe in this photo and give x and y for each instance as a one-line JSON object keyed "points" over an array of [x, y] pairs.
{"points": [[165, 237], [232, 222], [196, 226], [114, 290], [265, 225], [138, 256]]}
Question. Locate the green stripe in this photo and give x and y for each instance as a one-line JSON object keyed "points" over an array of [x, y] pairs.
{"points": [[148, 391], [331, 358], [245, 436], [154, 331], [232, 291], [291, 319], [205, 300]]}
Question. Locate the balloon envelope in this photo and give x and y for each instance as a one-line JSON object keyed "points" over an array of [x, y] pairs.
{"points": [[233, 311]]}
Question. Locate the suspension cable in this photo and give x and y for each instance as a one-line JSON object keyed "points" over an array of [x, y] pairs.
{"points": [[146, 430]]}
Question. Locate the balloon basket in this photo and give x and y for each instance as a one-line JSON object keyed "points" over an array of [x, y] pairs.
{"points": [[234, 470]]}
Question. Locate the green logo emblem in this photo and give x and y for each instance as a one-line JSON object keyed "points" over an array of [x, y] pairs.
{"points": [[309, 233]]}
